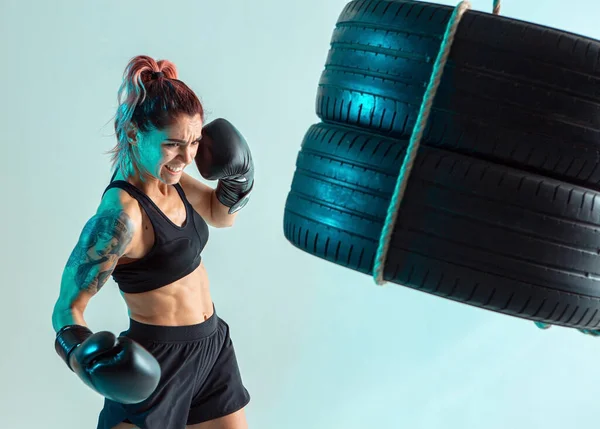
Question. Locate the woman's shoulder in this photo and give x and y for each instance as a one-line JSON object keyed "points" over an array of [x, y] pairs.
{"points": [[117, 200]]}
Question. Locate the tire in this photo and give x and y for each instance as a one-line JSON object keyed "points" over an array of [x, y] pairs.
{"points": [[468, 230], [514, 93]]}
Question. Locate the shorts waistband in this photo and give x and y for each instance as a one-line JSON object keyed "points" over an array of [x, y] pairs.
{"points": [[173, 333]]}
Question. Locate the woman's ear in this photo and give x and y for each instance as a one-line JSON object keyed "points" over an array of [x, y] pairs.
{"points": [[132, 134]]}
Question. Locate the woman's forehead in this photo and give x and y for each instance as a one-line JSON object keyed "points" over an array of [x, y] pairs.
{"points": [[185, 127]]}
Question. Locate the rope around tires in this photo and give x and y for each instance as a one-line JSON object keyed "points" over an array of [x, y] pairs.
{"points": [[417, 134]]}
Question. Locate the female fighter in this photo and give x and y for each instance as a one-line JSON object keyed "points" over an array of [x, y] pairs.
{"points": [[175, 366]]}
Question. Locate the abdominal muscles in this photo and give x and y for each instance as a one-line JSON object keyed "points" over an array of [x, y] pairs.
{"points": [[184, 302]]}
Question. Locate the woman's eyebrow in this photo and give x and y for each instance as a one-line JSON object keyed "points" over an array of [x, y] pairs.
{"points": [[183, 141]]}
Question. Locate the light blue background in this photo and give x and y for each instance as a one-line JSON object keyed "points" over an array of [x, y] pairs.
{"points": [[319, 346]]}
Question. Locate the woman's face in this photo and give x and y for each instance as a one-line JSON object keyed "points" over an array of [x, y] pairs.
{"points": [[165, 153]]}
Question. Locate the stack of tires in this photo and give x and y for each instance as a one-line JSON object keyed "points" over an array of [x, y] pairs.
{"points": [[502, 208]]}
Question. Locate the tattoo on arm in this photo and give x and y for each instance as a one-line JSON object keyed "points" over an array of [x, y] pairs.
{"points": [[102, 242]]}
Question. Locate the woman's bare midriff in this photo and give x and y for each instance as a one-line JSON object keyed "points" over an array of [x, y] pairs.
{"points": [[184, 302]]}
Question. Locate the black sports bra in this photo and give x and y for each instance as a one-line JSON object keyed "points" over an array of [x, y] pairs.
{"points": [[176, 251]]}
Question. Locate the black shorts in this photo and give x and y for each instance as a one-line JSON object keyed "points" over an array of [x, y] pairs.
{"points": [[200, 377]]}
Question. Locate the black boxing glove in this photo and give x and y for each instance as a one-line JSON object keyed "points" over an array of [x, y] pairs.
{"points": [[223, 155], [117, 368]]}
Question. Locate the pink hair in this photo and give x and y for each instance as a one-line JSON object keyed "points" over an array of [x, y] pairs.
{"points": [[148, 103]]}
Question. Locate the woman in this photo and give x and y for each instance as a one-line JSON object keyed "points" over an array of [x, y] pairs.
{"points": [[175, 366]]}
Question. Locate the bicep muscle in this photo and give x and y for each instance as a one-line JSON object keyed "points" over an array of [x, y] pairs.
{"points": [[104, 239]]}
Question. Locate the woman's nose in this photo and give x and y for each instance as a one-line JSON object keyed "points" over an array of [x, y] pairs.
{"points": [[188, 154]]}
